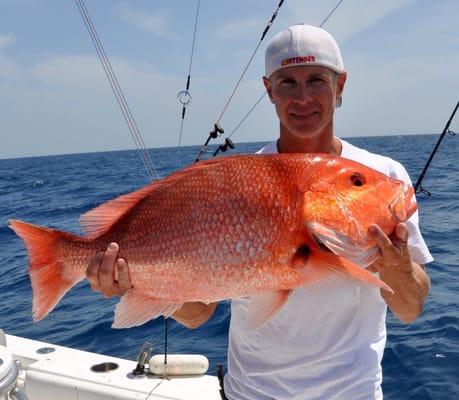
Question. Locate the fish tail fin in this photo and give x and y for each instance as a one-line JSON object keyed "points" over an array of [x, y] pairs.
{"points": [[49, 276]]}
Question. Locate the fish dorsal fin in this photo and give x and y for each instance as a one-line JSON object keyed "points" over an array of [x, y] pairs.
{"points": [[100, 219]]}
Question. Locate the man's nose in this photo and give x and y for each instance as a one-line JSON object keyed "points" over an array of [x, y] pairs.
{"points": [[303, 94]]}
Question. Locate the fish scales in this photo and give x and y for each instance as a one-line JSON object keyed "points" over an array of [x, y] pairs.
{"points": [[236, 226]]}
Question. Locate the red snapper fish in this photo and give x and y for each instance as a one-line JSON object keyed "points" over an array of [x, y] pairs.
{"points": [[249, 225]]}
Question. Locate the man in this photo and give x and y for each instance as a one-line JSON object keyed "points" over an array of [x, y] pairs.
{"points": [[327, 342]]}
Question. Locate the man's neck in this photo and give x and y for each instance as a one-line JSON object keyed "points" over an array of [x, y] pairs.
{"points": [[322, 143]]}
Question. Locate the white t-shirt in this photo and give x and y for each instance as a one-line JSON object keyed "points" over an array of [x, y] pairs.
{"points": [[328, 340]]}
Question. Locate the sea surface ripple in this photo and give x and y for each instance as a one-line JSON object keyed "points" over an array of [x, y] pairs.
{"points": [[421, 360]]}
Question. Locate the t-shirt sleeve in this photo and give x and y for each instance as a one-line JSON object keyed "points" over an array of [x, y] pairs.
{"points": [[418, 248]]}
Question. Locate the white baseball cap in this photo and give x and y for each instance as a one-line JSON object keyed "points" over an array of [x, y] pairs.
{"points": [[303, 45]]}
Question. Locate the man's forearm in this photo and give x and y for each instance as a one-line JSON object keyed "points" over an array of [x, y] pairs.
{"points": [[411, 286], [194, 314]]}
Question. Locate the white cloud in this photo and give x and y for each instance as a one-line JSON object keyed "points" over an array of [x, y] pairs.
{"points": [[6, 40], [8, 68], [64, 104], [352, 16], [76, 71], [249, 28], [158, 23]]}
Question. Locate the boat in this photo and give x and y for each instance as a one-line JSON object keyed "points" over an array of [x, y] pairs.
{"points": [[35, 370]]}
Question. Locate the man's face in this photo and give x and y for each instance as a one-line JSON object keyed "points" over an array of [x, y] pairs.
{"points": [[305, 98]]}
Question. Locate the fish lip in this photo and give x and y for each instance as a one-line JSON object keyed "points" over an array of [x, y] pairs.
{"points": [[400, 202]]}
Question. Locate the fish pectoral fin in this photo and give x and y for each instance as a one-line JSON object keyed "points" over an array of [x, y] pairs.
{"points": [[341, 245], [324, 265], [136, 308], [263, 307]]}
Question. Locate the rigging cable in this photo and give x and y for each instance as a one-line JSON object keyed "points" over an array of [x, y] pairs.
{"points": [[184, 97], [119, 95], [228, 142], [246, 115], [218, 130], [418, 185]]}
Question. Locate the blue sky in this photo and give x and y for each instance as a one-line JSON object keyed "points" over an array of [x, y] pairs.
{"points": [[402, 58]]}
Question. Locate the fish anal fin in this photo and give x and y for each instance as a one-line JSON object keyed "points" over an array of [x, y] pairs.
{"points": [[263, 307], [137, 308]]}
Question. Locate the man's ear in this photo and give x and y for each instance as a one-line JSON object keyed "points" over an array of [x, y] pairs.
{"points": [[268, 87], [341, 81]]}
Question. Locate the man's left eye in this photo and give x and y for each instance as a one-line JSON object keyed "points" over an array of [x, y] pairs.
{"points": [[315, 79], [287, 81]]}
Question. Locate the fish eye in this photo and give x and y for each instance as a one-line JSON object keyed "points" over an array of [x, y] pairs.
{"points": [[357, 179]]}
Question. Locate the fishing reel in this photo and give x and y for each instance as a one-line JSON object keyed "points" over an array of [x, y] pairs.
{"points": [[224, 147]]}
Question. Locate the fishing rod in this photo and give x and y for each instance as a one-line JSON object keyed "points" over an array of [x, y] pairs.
{"points": [[184, 96], [218, 130], [418, 185]]}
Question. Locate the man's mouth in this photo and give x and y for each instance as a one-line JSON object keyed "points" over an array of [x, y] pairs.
{"points": [[302, 116]]}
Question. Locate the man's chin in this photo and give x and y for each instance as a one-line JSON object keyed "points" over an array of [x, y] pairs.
{"points": [[305, 131]]}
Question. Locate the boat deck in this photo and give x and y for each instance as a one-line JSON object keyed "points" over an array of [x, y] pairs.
{"points": [[55, 372]]}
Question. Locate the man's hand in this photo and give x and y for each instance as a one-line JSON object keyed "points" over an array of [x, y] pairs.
{"points": [[109, 274], [408, 279], [394, 250]]}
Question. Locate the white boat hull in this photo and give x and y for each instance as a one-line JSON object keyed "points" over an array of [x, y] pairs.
{"points": [[67, 374]]}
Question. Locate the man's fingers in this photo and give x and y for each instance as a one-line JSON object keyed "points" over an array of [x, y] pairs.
{"points": [[92, 272], [401, 239], [107, 274], [401, 232], [392, 249], [107, 271], [124, 281], [382, 240], [395, 248]]}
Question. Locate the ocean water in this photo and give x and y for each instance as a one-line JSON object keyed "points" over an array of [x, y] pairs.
{"points": [[421, 360]]}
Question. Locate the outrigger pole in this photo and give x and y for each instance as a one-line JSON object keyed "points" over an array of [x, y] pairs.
{"points": [[117, 91], [418, 187]]}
